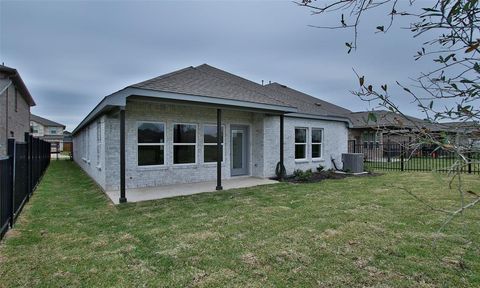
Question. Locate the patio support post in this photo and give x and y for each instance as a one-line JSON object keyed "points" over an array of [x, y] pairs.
{"points": [[282, 145], [219, 149], [122, 199]]}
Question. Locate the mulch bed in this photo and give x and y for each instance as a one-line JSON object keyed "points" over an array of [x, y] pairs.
{"points": [[323, 175]]}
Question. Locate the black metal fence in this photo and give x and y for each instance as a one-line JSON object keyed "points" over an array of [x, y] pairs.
{"points": [[413, 157], [20, 172]]}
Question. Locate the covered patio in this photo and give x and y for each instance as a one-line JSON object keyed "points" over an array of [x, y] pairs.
{"points": [[167, 191]]}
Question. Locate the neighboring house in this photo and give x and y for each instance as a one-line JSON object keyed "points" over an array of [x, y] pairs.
{"points": [[15, 103], [48, 130], [386, 127], [164, 131], [67, 141]]}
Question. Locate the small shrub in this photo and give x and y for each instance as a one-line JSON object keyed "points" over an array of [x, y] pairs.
{"points": [[297, 173], [320, 168], [303, 176]]}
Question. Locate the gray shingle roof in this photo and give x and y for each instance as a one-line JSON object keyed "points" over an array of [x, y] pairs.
{"points": [[304, 102], [45, 122], [205, 80], [388, 119]]}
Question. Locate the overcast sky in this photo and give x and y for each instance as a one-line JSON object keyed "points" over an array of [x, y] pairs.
{"points": [[71, 54]]}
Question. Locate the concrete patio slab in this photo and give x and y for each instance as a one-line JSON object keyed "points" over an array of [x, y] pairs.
{"points": [[167, 191]]}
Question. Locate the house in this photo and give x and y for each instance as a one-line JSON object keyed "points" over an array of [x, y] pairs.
{"points": [[67, 141], [48, 130], [15, 103], [385, 127], [164, 131]]}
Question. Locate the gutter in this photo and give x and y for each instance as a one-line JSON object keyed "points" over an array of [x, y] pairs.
{"points": [[321, 117]]}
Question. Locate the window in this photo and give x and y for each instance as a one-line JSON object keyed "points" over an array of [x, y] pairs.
{"points": [[210, 143], [151, 143], [184, 143], [370, 140], [53, 131], [99, 141], [317, 135], [300, 143]]}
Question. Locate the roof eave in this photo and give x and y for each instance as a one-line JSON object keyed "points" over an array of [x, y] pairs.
{"points": [[119, 99], [18, 81]]}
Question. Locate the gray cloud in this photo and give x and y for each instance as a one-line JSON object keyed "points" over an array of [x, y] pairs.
{"points": [[72, 54]]}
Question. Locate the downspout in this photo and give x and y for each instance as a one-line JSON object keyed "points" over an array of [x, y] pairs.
{"points": [[334, 164]]}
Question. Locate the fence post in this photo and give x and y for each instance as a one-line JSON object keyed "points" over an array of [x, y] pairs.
{"points": [[11, 153], [401, 156], [30, 163], [27, 141], [469, 157], [389, 147]]}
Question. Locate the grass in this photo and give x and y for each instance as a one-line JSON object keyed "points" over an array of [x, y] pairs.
{"points": [[359, 231]]}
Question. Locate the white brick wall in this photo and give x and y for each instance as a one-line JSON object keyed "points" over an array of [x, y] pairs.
{"points": [[263, 145], [170, 174], [85, 151], [335, 136]]}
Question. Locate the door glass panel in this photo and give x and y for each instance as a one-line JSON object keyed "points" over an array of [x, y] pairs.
{"points": [[237, 149]]}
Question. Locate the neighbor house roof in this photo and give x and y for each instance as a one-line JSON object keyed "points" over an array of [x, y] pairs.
{"points": [[18, 82], [45, 122], [462, 127], [384, 119], [393, 120]]}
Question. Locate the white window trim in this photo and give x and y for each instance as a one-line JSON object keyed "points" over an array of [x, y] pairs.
{"points": [[153, 144], [184, 144], [301, 143], [320, 143], [213, 144]]}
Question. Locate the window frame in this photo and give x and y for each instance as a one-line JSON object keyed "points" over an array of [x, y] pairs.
{"points": [[184, 144], [300, 143], [153, 144], [214, 144], [317, 143], [371, 140]]}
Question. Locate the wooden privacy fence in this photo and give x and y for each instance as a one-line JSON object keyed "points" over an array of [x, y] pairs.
{"points": [[20, 172], [413, 157]]}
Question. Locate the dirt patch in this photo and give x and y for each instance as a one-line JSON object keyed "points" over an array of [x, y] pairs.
{"points": [[323, 175], [250, 259]]}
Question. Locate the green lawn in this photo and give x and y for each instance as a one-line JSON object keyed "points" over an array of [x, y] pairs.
{"points": [[351, 232]]}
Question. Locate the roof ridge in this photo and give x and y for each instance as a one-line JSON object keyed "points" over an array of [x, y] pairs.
{"points": [[242, 86], [47, 122], [161, 77]]}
